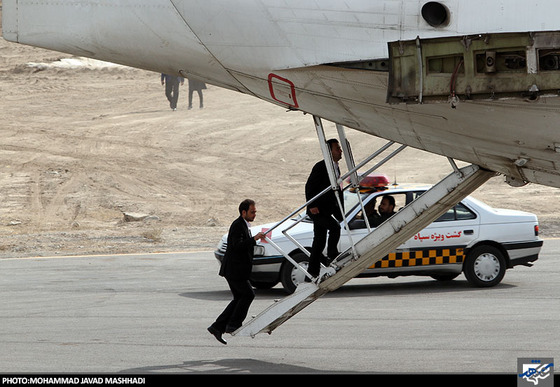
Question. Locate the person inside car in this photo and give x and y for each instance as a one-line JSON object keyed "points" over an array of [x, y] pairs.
{"points": [[385, 210]]}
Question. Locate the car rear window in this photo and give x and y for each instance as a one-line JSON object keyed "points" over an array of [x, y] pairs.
{"points": [[459, 212]]}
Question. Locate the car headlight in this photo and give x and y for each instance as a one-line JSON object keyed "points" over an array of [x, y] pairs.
{"points": [[222, 245]]}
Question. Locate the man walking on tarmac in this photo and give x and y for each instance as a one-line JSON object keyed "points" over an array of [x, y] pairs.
{"points": [[171, 83], [236, 268]]}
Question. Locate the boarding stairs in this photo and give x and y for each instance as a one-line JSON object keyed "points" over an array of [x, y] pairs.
{"points": [[377, 244]]}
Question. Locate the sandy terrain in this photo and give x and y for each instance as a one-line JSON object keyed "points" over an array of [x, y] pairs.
{"points": [[82, 146]]}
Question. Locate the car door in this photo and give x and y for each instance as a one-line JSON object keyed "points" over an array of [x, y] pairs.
{"points": [[442, 242]]}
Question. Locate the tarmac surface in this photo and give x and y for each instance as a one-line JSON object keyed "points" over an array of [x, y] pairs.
{"points": [[148, 314]]}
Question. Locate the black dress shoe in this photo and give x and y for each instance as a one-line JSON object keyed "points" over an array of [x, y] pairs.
{"points": [[217, 334]]}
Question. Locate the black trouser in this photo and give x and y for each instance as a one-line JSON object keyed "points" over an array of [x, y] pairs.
{"points": [[322, 224], [172, 93], [233, 315], [200, 97]]}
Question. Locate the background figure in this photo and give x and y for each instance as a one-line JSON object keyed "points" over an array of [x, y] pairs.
{"points": [[197, 86], [386, 209], [236, 268], [171, 83]]}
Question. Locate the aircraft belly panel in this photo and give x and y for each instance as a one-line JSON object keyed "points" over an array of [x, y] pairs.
{"points": [[496, 134]]}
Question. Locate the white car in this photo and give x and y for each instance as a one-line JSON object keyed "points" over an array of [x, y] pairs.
{"points": [[472, 237]]}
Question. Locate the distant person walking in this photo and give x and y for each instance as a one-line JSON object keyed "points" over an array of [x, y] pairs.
{"points": [[171, 83], [197, 86]]}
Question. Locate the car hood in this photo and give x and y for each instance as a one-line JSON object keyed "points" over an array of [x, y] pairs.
{"points": [[301, 227]]}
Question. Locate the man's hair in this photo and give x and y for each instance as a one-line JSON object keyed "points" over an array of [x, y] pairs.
{"points": [[245, 204], [332, 141]]}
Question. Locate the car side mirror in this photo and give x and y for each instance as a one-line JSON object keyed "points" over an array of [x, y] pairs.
{"points": [[356, 224]]}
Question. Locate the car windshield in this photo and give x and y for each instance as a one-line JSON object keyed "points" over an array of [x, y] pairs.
{"points": [[352, 199], [481, 204]]}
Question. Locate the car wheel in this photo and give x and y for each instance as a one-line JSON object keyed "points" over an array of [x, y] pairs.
{"points": [[263, 285], [290, 275], [485, 266], [444, 277]]}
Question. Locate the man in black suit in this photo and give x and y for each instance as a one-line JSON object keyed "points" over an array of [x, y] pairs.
{"points": [[322, 209], [236, 268], [171, 83]]}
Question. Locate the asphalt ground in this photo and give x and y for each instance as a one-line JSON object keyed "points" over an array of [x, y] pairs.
{"points": [[148, 314]]}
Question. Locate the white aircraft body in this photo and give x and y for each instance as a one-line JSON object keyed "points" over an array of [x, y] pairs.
{"points": [[474, 80]]}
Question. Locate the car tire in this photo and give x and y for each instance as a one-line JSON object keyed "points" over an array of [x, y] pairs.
{"points": [[485, 266], [290, 275], [444, 277], [263, 285]]}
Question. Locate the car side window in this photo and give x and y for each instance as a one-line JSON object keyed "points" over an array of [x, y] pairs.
{"points": [[463, 213], [372, 210], [459, 212]]}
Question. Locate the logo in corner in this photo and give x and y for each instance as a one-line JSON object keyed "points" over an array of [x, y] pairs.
{"points": [[535, 372]]}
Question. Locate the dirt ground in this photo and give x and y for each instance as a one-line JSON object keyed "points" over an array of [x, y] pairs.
{"points": [[84, 143]]}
